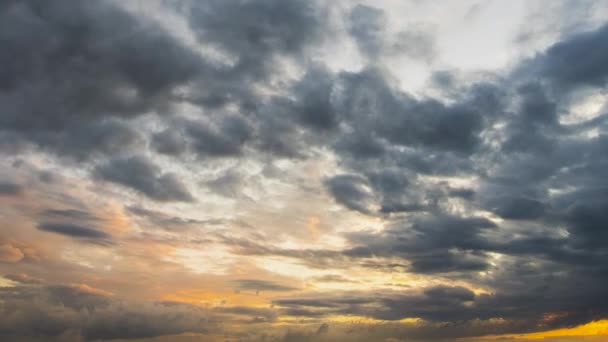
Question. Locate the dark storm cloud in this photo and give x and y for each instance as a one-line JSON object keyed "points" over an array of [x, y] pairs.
{"points": [[372, 104], [438, 304], [537, 153], [84, 140], [544, 178], [73, 230], [523, 311], [261, 285], [83, 62], [221, 135], [168, 142], [576, 61], [254, 32], [313, 106], [352, 191], [434, 243], [141, 174], [227, 138], [119, 66], [519, 208]]}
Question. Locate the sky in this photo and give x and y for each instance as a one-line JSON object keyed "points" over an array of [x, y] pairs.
{"points": [[304, 170]]}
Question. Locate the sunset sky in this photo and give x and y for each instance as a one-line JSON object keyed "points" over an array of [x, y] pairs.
{"points": [[301, 170]]}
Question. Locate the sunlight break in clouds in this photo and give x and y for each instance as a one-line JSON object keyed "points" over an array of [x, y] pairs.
{"points": [[303, 170]]}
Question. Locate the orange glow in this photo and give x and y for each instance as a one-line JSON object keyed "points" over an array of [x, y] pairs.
{"points": [[313, 227], [596, 328], [91, 290], [197, 296]]}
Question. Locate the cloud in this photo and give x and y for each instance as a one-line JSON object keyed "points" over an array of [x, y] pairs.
{"points": [[487, 188], [565, 64], [73, 230], [143, 175], [228, 184], [261, 285], [84, 63], [10, 253], [367, 26], [7, 188], [351, 191], [69, 214], [47, 312], [253, 33], [169, 142], [23, 279], [226, 139]]}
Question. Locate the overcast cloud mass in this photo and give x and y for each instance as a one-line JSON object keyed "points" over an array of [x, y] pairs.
{"points": [[303, 170]]}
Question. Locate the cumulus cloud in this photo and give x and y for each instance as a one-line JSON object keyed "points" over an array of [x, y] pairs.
{"points": [[143, 175]]}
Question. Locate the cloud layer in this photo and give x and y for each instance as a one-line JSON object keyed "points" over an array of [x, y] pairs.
{"points": [[265, 170]]}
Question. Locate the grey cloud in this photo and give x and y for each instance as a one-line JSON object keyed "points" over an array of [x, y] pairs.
{"points": [[9, 188], [352, 191], [519, 208], [545, 179], [416, 43], [73, 230], [75, 298], [432, 243], [85, 140], [367, 26], [46, 312], [360, 145], [334, 278], [313, 105], [261, 285], [251, 314], [433, 304], [462, 193], [228, 184], [214, 136], [254, 32], [576, 61], [168, 142], [438, 305], [226, 139], [169, 222], [69, 214], [371, 103], [142, 175], [117, 65]]}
